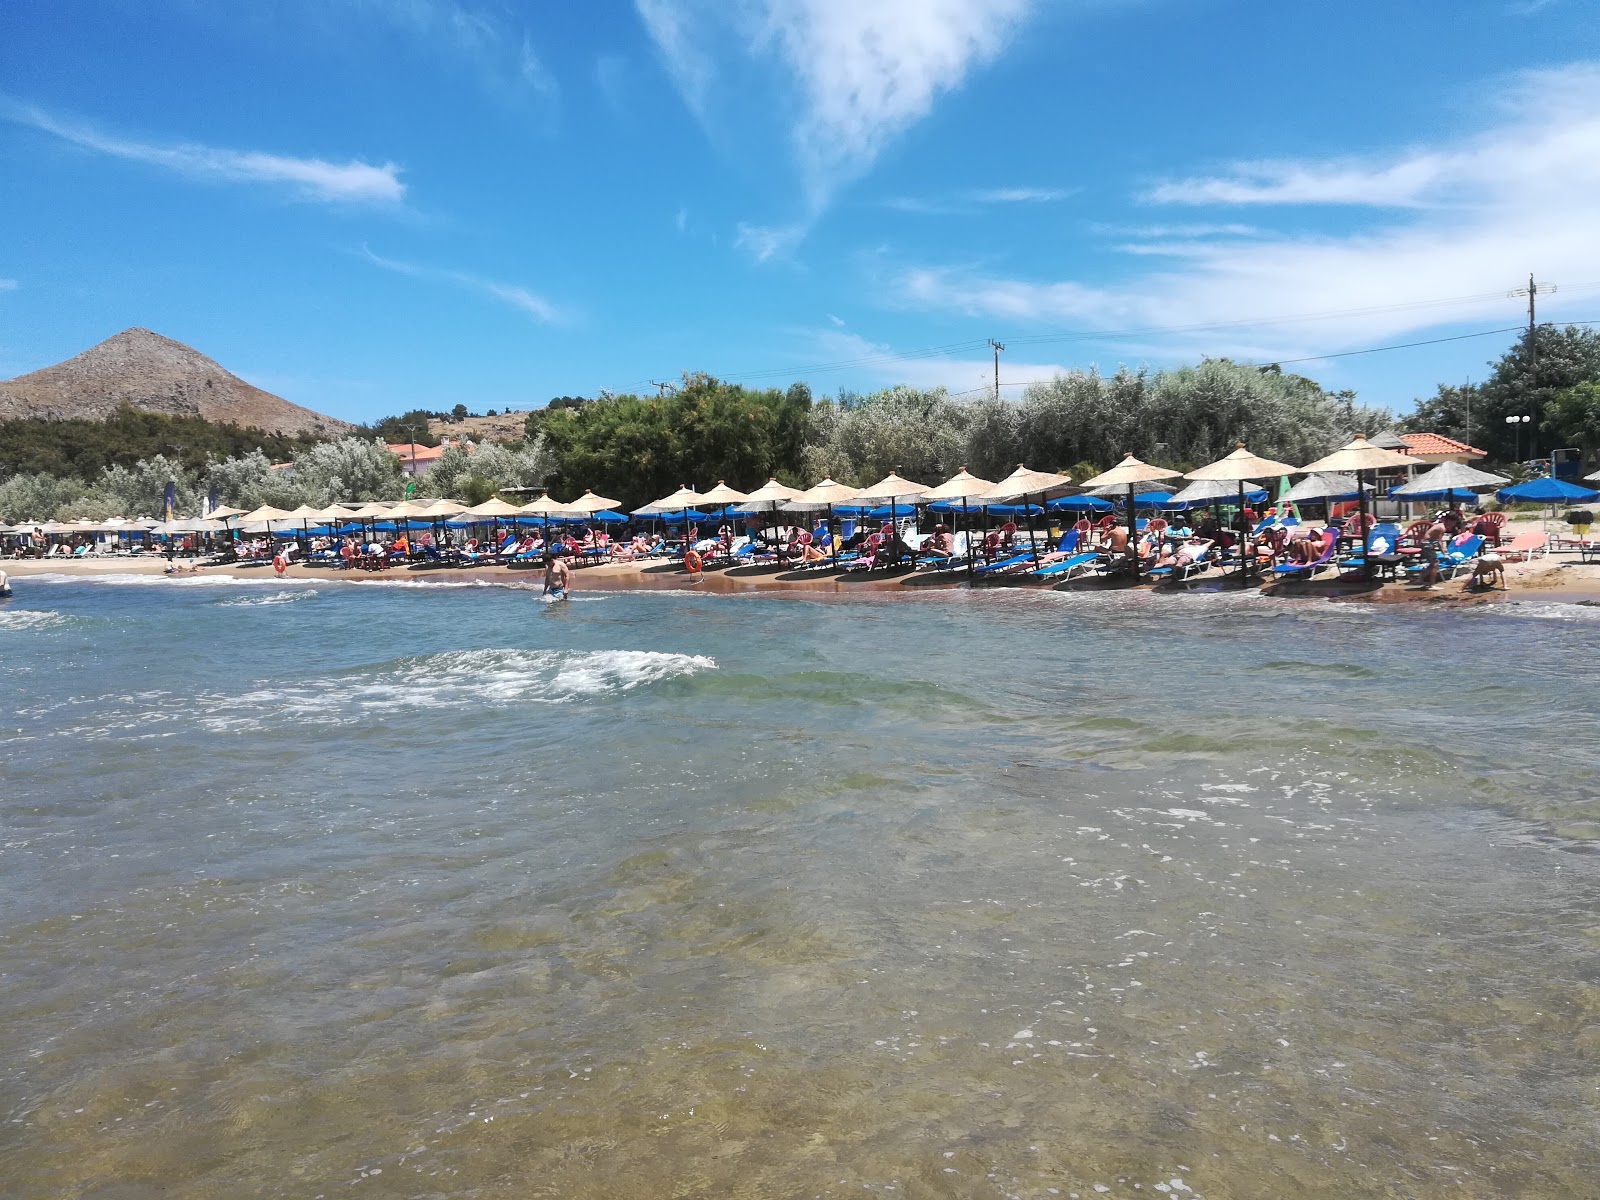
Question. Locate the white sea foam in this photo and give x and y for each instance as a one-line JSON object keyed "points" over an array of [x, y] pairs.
{"points": [[286, 597], [493, 677], [29, 618], [129, 579]]}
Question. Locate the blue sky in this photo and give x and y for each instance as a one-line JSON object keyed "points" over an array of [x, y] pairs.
{"points": [[373, 205]]}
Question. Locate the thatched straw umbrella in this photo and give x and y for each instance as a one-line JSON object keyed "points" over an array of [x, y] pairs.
{"points": [[892, 488], [767, 498], [964, 487], [1356, 457], [1021, 484], [1236, 468], [824, 495], [1129, 473]]}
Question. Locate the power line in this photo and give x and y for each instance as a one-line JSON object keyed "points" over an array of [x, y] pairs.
{"points": [[1278, 362], [890, 358]]}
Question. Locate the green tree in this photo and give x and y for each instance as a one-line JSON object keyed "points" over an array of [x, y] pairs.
{"points": [[1525, 380], [1453, 410], [1572, 418]]}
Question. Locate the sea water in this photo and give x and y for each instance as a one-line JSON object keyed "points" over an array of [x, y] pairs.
{"points": [[328, 889]]}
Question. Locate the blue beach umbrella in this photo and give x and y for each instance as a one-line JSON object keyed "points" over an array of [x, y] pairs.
{"points": [[1547, 490]]}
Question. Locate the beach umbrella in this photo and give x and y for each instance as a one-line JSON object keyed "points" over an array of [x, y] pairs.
{"points": [[1021, 484], [965, 487], [492, 510], [1203, 491], [590, 503], [265, 515], [1357, 456], [1323, 485], [767, 498], [1547, 490], [823, 495], [1450, 481], [1235, 468], [1595, 478], [892, 488], [1129, 473], [720, 498], [682, 501]]}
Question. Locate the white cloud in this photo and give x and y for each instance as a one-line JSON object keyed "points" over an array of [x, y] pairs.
{"points": [[970, 202], [517, 297], [8, 285], [862, 71], [308, 178], [499, 53], [668, 22], [881, 364], [681, 219], [766, 242], [1473, 219], [1021, 195]]}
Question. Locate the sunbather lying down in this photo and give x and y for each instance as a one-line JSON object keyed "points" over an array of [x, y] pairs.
{"points": [[1183, 554]]}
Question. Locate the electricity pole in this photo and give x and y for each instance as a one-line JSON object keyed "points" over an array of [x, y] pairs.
{"points": [[1532, 293], [997, 348], [662, 388]]}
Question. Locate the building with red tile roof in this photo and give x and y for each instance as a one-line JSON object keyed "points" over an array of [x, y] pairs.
{"points": [[1436, 448], [416, 458]]}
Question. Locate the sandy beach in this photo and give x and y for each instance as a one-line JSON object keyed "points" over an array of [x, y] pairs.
{"points": [[1558, 577]]}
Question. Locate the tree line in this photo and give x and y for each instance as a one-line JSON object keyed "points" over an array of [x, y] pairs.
{"points": [[636, 449]]}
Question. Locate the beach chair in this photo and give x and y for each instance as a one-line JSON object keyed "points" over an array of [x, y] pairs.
{"points": [[1456, 556], [1182, 571], [1381, 543], [1525, 545], [1287, 571], [1490, 526]]}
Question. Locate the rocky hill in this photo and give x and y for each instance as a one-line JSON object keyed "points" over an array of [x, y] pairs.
{"points": [[147, 371]]}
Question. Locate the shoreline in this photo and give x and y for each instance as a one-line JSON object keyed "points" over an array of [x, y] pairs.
{"points": [[1548, 578]]}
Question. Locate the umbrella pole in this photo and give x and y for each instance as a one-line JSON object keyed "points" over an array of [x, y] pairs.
{"points": [[1361, 521], [1033, 543], [1133, 536], [1244, 537], [966, 519]]}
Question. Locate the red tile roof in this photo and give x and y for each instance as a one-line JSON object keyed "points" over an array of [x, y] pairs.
{"points": [[408, 451], [1437, 443]]}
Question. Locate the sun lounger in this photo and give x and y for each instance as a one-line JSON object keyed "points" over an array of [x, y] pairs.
{"points": [[1525, 545], [1307, 570], [1454, 558]]}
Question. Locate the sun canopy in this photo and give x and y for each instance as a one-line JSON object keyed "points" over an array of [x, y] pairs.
{"points": [[684, 497], [546, 507], [719, 496], [889, 489], [1324, 485], [960, 486], [263, 514], [493, 508], [223, 514], [1024, 482], [1129, 471], [1547, 490], [590, 503], [1241, 464], [1448, 477], [1359, 455], [1203, 491], [822, 495]]}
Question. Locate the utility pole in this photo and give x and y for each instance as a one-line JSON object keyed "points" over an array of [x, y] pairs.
{"points": [[997, 348], [1532, 293], [663, 388]]}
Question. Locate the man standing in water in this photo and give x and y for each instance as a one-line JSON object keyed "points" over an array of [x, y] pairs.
{"points": [[557, 575]]}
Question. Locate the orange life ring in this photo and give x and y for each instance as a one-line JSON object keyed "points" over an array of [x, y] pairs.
{"points": [[280, 564], [693, 562]]}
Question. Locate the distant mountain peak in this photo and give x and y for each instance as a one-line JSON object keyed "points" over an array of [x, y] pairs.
{"points": [[149, 371]]}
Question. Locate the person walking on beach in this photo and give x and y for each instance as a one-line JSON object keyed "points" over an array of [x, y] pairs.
{"points": [[557, 576]]}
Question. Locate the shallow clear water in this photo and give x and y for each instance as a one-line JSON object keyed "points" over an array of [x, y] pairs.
{"points": [[444, 892]]}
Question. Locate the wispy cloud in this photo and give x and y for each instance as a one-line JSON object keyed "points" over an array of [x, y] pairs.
{"points": [[499, 52], [1477, 216], [353, 182], [8, 285], [766, 242], [517, 297], [973, 201], [882, 364], [861, 72]]}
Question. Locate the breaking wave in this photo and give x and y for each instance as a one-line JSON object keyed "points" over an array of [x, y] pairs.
{"points": [[454, 678], [286, 597], [28, 618]]}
